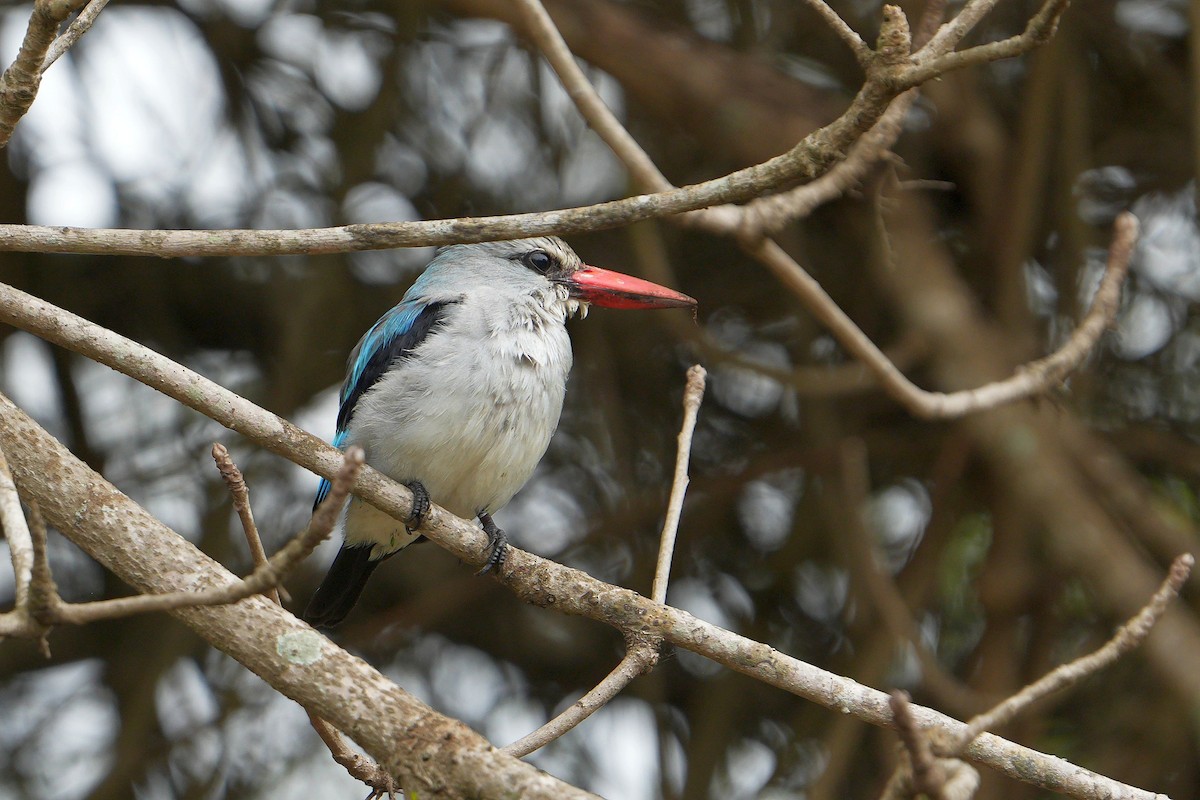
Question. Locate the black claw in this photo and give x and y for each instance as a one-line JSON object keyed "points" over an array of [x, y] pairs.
{"points": [[420, 506], [497, 544]]}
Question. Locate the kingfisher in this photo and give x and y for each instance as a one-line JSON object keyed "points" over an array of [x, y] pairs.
{"points": [[456, 391]]}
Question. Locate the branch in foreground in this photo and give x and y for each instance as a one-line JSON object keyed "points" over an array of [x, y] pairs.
{"points": [[19, 83], [431, 754], [49, 609], [360, 767], [533, 579], [810, 157]]}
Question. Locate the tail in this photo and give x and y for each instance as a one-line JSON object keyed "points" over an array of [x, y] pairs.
{"points": [[338, 593]]}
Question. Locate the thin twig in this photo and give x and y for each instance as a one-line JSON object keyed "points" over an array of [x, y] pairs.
{"points": [[16, 531], [923, 773], [1127, 637], [857, 46], [78, 27], [360, 767], [641, 653], [1027, 381], [1039, 29], [240, 492], [43, 592], [264, 577], [640, 658], [20, 622], [587, 100], [693, 394], [926, 774], [955, 30]]}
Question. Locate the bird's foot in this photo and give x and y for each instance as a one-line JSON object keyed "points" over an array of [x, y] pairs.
{"points": [[420, 506], [497, 544]]}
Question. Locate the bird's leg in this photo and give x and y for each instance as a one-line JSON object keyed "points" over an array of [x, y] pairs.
{"points": [[420, 506], [497, 543]]}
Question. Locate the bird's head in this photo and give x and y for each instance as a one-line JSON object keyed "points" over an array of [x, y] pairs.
{"points": [[548, 263]]}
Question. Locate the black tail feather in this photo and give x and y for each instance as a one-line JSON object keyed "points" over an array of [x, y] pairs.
{"points": [[338, 593]]}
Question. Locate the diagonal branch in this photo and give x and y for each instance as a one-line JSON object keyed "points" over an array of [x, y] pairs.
{"points": [[1127, 637], [1027, 381], [118, 533], [765, 215], [1039, 29], [78, 27], [862, 53]]}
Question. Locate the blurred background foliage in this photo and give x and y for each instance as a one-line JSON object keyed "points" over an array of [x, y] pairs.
{"points": [[213, 113]]}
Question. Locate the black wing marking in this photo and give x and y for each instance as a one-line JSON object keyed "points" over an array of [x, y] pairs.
{"points": [[395, 336], [386, 347]]}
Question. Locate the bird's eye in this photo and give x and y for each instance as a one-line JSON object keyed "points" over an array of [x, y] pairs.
{"points": [[539, 261]]}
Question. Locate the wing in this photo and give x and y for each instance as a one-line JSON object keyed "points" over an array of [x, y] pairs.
{"points": [[394, 337]]}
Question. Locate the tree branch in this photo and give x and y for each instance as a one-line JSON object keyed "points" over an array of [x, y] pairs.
{"points": [[49, 609], [1127, 637], [1039, 29], [19, 622], [78, 27], [360, 767], [1031, 379], [431, 754], [19, 83], [533, 579], [767, 214], [693, 394], [857, 46]]}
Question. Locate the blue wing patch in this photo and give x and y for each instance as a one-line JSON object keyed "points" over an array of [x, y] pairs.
{"points": [[323, 489], [395, 336]]}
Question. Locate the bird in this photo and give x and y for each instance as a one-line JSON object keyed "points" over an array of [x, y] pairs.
{"points": [[456, 391]]}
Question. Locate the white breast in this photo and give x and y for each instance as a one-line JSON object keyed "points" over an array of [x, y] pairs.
{"points": [[469, 414]]}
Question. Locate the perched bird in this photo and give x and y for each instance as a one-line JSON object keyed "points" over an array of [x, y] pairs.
{"points": [[456, 391]]}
